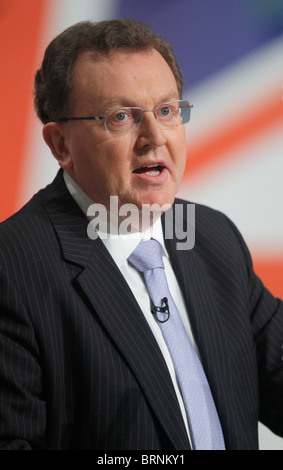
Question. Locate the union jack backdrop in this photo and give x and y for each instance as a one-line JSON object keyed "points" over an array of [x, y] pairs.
{"points": [[231, 56]]}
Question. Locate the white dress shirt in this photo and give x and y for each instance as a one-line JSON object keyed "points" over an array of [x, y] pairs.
{"points": [[120, 247]]}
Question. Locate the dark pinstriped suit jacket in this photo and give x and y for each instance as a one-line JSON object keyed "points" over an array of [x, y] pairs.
{"points": [[79, 366]]}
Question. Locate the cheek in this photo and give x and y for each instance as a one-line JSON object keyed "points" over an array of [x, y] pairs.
{"points": [[115, 156], [109, 162], [182, 139], [178, 150]]}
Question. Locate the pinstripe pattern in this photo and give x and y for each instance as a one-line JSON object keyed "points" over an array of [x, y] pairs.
{"points": [[79, 366]]}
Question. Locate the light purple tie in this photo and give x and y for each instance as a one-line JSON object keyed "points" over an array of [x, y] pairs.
{"points": [[202, 416]]}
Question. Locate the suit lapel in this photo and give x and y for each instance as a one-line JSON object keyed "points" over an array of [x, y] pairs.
{"points": [[118, 310], [115, 305]]}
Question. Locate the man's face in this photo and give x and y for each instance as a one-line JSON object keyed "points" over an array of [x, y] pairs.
{"points": [[106, 164]]}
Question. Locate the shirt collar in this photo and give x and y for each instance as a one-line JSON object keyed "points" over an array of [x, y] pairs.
{"points": [[122, 245]]}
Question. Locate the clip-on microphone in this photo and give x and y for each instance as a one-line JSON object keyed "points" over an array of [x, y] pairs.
{"points": [[164, 309]]}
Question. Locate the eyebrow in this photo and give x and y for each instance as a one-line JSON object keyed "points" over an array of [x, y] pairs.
{"points": [[120, 102]]}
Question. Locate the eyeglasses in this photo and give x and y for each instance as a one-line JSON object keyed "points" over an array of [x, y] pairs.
{"points": [[121, 120]]}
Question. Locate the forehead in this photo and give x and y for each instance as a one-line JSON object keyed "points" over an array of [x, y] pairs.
{"points": [[132, 76]]}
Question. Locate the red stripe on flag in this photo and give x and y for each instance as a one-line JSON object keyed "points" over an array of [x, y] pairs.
{"points": [[21, 24], [212, 149], [271, 273]]}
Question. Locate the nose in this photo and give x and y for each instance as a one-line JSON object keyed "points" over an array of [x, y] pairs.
{"points": [[150, 132]]}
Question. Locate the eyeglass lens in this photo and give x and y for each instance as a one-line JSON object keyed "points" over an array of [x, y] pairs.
{"points": [[167, 114]]}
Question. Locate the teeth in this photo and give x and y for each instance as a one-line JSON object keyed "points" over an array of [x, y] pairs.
{"points": [[150, 170], [153, 173]]}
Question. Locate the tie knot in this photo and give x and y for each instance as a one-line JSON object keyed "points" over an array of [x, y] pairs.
{"points": [[147, 255]]}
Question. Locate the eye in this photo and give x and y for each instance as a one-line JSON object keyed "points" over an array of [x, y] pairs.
{"points": [[119, 120], [120, 116], [166, 111]]}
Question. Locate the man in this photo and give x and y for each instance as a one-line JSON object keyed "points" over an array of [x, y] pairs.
{"points": [[84, 361]]}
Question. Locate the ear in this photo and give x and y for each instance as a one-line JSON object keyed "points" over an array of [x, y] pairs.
{"points": [[54, 136]]}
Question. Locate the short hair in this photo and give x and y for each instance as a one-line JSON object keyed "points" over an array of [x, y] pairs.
{"points": [[54, 80]]}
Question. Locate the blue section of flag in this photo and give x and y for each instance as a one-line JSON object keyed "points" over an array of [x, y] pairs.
{"points": [[207, 35]]}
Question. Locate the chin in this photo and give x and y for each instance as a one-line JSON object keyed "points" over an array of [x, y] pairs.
{"points": [[157, 201], [163, 197]]}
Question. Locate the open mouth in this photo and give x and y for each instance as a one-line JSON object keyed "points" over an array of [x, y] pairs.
{"points": [[150, 170]]}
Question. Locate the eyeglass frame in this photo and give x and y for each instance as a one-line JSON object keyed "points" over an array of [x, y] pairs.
{"points": [[182, 104]]}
